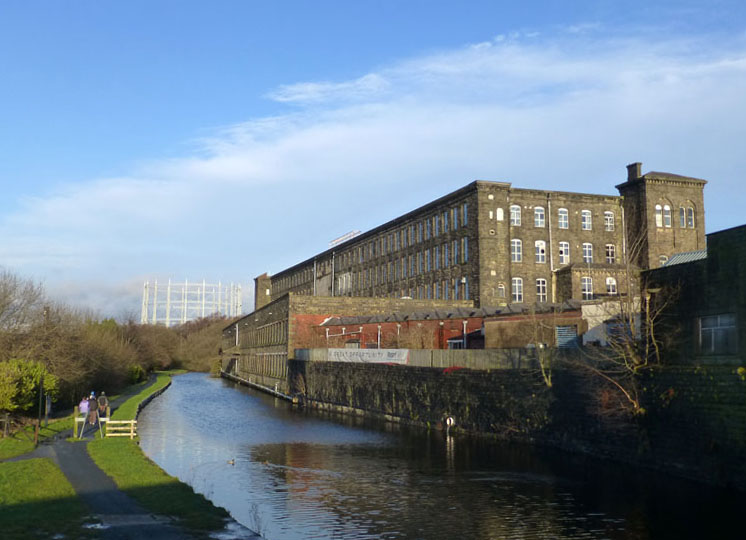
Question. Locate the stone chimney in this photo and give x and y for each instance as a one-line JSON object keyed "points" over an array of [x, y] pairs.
{"points": [[634, 171]]}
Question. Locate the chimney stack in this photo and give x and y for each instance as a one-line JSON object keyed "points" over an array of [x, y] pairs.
{"points": [[634, 171]]}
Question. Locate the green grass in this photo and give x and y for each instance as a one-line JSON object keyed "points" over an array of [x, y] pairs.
{"points": [[128, 409], [157, 491], [37, 501], [22, 442], [147, 483]]}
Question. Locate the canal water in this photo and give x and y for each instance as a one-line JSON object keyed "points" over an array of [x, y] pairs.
{"points": [[290, 474]]}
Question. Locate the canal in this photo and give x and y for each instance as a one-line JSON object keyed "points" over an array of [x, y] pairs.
{"points": [[290, 474]]}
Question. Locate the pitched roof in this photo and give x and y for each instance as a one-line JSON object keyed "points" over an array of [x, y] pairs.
{"points": [[689, 256]]}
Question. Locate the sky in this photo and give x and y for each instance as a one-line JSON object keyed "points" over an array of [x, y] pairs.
{"points": [[153, 140]]}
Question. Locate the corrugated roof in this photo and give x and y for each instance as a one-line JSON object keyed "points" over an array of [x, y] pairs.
{"points": [[689, 256]]}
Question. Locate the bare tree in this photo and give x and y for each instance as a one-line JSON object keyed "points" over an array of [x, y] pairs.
{"points": [[636, 336]]}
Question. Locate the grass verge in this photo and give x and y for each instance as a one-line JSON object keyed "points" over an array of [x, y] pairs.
{"points": [[128, 409], [37, 501], [23, 441], [147, 483]]}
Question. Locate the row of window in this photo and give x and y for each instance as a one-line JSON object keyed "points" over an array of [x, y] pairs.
{"points": [[540, 252], [563, 218], [430, 227], [271, 334], [586, 289], [445, 289], [435, 258], [663, 216]]}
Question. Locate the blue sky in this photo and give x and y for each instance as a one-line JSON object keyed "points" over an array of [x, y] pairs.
{"points": [[150, 140]]}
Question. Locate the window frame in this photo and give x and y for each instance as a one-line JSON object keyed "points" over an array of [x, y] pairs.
{"points": [[586, 288], [540, 252], [564, 257], [541, 290], [586, 220], [515, 215], [563, 218], [539, 217], [609, 219], [516, 290], [587, 253], [516, 250]]}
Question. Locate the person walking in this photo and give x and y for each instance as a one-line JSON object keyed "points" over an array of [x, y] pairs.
{"points": [[83, 406], [92, 409], [103, 403]]}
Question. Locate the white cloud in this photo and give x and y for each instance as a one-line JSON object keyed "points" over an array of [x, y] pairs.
{"points": [[560, 114]]}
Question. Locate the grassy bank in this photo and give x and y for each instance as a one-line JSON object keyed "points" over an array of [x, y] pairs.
{"points": [[145, 482], [37, 501], [22, 442]]}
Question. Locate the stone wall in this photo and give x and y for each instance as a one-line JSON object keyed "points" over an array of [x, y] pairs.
{"points": [[695, 425]]}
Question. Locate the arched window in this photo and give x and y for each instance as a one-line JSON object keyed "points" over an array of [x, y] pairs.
{"points": [[666, 216], [499, 214], [609, 221], [563, 218], [690, 217], [564, 252], [516, 250], [611, 285], [517, 289], [587, 253], [682, 217], [610, 253], [586, 220], [501, 291], [541, 290], [586, 288], [538, 216], [541, 251], [515, 214], [658, 215]]}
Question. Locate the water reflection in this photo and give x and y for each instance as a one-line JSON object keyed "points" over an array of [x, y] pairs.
{"points": [[308, 475]]}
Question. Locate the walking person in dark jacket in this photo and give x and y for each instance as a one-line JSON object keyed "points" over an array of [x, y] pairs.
{"points": [[103, 403], [92, 409]]}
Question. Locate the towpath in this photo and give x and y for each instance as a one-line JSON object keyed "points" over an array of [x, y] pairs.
{"points": [[118, 516]]}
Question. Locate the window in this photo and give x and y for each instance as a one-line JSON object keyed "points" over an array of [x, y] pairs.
{"points": [[515, 214], [563, 218], [455, 252], [446, 290], [538, 216], [541, 290], [610, 253], [586, 288], [663, 259], [611, 285], [586, 220], [501, 291], [717, 334], [564, 252], [437, 257], [690, 217], [658, 215], [446, 258], [428, 228], [499, 216], [667, 216], [516, 250], [541, 251], [465, 283], [436, 225], [455, 218], [437, 290], [587, 253], [428, 262], [419, 232], [445, 221], [465, 248], [516, 289], [419, 262], [682, 217], [609, 221], [465, 221]]}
